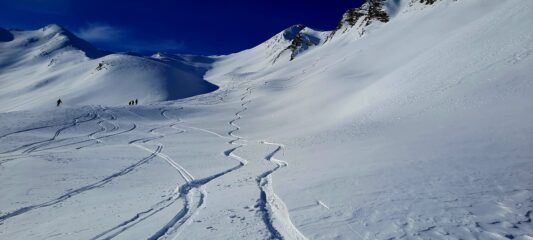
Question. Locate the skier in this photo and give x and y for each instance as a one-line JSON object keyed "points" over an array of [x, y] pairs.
{"points": [[59, 102], [136, 101]]}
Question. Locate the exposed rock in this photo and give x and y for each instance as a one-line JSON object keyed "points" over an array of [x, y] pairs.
{"points": [[301, 43], [377, 12], [301, 38], [368, 12]]}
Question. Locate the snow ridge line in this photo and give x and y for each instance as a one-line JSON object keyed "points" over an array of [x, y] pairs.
{"points": [[275, 212]]}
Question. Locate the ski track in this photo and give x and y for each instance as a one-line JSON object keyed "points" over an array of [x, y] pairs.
{"points": [[161, 205], [271, 206], [173, 226], [267, 198], [40, 145], [187, 192], [36, 128], [83, 189], [102, 128], [30, 147], [193, 188], [192, 192]]}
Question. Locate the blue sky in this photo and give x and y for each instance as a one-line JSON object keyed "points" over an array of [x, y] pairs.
{"points": [[192, 26]]}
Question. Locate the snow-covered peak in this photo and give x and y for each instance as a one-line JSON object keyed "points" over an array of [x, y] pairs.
{"points": [[291, 32], [53, 40], [53, 29]]}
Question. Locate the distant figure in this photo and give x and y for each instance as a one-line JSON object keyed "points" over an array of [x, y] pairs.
{"points": [[130, 103], [136, 101], [59, 102]]}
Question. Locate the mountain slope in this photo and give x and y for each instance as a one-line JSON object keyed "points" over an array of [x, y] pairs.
{"points": [[418, 127], [40, 66]]}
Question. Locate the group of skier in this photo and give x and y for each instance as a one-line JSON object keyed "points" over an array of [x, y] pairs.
{"points": [[132, 102]]}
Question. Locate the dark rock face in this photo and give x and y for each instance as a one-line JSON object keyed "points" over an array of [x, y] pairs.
{"points": [[376, 12], [299, 39], [301, 43], [372, 10], [351, 17]]}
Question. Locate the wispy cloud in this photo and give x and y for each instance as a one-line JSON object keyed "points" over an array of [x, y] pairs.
{"points": [[101, 33], [122, 39]]}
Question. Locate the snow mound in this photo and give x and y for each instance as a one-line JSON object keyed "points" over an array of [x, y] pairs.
{"points": [[40, 66]]}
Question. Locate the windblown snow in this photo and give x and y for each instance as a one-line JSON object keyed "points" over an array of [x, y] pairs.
{"points": [[419, 126]]}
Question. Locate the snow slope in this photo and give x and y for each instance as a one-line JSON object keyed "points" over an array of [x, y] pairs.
{"points": [[40, 66], [419, 127]]}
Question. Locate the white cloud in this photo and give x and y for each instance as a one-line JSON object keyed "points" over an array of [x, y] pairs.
{"points": [[101, 33]]}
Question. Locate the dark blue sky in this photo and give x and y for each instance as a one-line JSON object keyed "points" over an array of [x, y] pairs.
{"points": [[191, 26]]}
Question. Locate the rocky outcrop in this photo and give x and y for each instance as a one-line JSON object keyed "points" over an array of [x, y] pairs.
{"points": [[301, 38], [302, 42], [376, 11], [371, 10]]}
